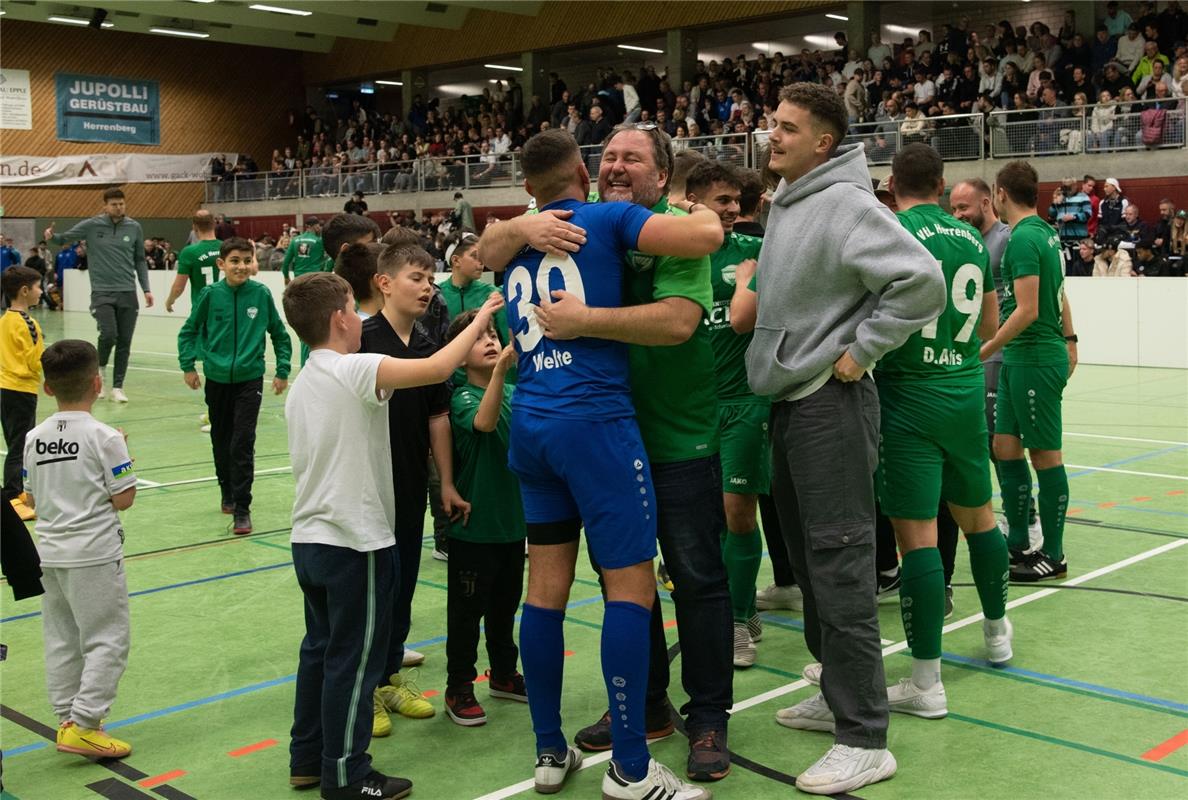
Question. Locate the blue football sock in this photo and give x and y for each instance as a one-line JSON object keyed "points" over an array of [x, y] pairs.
{"points": [[542, 653], [625, 670]]}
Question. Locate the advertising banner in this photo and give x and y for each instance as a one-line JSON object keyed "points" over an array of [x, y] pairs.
{"points": [[94, 108]]}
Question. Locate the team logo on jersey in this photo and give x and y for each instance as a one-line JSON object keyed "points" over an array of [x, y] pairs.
{"points": [[641, 262], [252, 312], [638, 464], [122, 469], [127, 238], [728, 273]]}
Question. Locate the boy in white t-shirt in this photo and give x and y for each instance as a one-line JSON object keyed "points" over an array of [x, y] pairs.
{"points": [[344, 551], [78, 474]]}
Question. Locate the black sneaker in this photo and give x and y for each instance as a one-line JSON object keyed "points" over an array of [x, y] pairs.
{"points": [[889, 587], [242, 523], [1017, 556], [948, 602], [376, 786], [508, 688], [597, 737], [462, 707], [709, 758], [1038, 566]]}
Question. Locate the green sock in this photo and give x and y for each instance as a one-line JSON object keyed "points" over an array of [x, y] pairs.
{"points": [[1016, 498], [743, 553], [922, 601], [1053, 503], [990, 564]]}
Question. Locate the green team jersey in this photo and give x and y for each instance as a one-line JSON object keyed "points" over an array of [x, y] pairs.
{"points": [[673, 386], [730, 348], [200, 262], [947, 348], [305, 254], [1034, 249], [481, 472]]}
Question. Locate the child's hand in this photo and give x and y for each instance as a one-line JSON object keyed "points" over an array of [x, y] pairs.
{"points": [[483, 318], [453, 504], [192, 380], [506, 358], [279, 385]]}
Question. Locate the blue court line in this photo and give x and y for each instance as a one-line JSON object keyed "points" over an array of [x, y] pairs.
{"points": [[183, 584], [1130, 460]]}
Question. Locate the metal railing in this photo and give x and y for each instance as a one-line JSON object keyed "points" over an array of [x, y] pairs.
{"points": [[1076, 130]]}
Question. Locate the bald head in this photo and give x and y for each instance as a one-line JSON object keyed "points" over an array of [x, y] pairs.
{"points": [[204, 221]]}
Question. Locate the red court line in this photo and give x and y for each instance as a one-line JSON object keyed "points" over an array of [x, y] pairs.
{"points": [[1076, 511], [251, 748], [431, 693], [1175, 492], [1106, 505], [1161, 751], [164, 777], [670, 624], [568, 652], [1140, 499], [480, 679]]}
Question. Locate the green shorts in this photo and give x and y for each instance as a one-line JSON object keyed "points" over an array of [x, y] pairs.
{"points": [[1029, 399], [933, 446], [746, 449]]}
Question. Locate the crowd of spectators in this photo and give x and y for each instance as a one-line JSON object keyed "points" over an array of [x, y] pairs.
{"points": [[913, 90]]}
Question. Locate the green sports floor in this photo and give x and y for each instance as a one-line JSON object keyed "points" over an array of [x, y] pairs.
{"points": [[1094, 705]]}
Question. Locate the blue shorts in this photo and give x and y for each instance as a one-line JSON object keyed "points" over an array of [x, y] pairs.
{"points": [[593, 470]]}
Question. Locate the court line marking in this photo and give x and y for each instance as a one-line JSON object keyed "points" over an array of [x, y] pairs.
{"points": [[523, 786], [1161, 751], [258, 472], [1129, 472], [1124, 438]]}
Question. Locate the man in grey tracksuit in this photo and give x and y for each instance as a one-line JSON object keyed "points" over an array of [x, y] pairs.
{"points": [[115, 258], [840, 283]]}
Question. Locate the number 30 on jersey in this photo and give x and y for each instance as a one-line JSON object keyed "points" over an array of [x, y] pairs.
{"points": [[556, 273]]}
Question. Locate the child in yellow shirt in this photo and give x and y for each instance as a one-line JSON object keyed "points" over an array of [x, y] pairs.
{"points": [[21, 346]]}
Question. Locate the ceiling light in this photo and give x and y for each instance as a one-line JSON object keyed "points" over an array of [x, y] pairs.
{"points": [[390, 83], [838, 16], [640, 49], [202, 1], [501, 66], [176, 32], [78, 21], [278, 10], [820, 41]]}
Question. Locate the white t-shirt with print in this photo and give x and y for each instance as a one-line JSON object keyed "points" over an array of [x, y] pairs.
{"points": [[74, 464], [342, 461]]}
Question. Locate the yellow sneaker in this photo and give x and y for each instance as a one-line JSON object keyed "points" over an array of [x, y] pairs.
{"points": [[404, 698], [90, 743], [26, 514], [381, 723]]}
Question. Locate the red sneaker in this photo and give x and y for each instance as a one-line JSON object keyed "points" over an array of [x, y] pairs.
{"points": [[463, 708]]}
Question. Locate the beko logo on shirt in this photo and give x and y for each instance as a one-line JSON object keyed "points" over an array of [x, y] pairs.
{"points": [[58, 448]]}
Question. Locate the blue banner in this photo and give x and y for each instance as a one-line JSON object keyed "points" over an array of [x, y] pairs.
{"points": [[96, 108]]}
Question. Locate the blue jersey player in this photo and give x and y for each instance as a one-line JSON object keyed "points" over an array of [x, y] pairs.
{"points": [[578, 453]]}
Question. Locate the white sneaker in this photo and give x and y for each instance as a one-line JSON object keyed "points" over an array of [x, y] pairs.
{"points": [[812, 673], [660, 782], [844, 768], [551, 771], [812, 714], [118, 396], [755, 628], [998, 647], [440, 555], [204, 428], [412, 658], [102, 387], [1035, 535], [744, 648], [775, 597], [907, 698]]}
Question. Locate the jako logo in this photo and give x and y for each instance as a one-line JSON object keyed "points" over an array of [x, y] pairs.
{"points": [[60, 447]]}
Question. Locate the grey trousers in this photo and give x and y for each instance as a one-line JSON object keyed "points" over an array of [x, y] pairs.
{"points": [[84, 615], [115, 313], [824, 453]]}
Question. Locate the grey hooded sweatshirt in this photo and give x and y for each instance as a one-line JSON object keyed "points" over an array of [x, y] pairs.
{"points": [[837, 272]]}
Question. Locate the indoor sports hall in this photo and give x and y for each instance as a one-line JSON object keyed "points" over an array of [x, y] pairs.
{"points": [[1094, 702]]}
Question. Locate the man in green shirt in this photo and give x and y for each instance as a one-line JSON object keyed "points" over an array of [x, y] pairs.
{"points": [[673, 390], [742, 415], [197, 263], [1036, 365], [305, 253], [932, 437]]}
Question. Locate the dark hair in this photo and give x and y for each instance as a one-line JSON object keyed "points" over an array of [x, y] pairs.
{"points": [[357, 265], [752, 192], [236, 244], [548, 159], [394, 258], [70, 367], [16, 278], [918, 171], [460, 323], [203, 220], [310, 301], [707, 173], [346, 229], [457, 195], [1020, 182], [824, 105], [114, 193], [683, 163], [661, 146], [400, 235], [462, 241]]}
